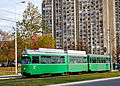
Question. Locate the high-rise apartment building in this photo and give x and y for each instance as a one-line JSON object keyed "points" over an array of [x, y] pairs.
{"points": [[47, 13], [63, 21], [117, 16], [82, 24], [96, 22]]}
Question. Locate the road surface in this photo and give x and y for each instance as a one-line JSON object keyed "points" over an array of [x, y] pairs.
{"points": [[98, 82]]}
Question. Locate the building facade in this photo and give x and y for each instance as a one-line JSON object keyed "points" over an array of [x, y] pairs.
{"points": [[63, 21], [117, 17], [83, 24]]}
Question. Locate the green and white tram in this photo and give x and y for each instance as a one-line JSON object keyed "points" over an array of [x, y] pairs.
{"points": [[52, 61]]}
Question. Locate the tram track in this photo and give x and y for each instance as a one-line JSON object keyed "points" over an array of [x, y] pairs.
{"points": [[25, 79]]}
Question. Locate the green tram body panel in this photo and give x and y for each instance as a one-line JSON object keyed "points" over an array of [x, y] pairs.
{"points": [[67, 66], [36, 69], [78, 67], [97, 66]]}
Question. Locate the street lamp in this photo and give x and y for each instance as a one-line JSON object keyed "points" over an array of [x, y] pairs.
{"points": [[16, 37]]}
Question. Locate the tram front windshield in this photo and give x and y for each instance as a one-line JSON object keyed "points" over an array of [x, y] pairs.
{"points": [[25, 60]]}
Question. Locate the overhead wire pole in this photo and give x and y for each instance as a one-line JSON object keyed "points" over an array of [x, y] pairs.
{"points": [[110, 49], [16, 38], [91, 42], [15, 43]]}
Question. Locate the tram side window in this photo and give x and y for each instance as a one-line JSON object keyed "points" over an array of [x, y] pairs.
{"points": [[71, 59], [94, 60], [107, 60], [35, 59], [58, 59], [103, 60], [85, 59], [62, 59], [78, 60], [52, 59], [100, 60], [43, 60], [48, 59]]}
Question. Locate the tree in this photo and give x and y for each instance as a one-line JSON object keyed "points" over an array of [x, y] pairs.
{"points": [[45, 41], [31, 23], [6, 47], [30, 27]]}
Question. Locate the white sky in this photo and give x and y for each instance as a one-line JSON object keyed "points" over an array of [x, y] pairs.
{"points": [[7, 10]]}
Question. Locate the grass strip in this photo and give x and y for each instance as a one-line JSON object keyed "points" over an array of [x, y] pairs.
{"points": [[58, 79]]}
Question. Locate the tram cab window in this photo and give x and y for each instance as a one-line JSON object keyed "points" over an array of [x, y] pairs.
{"points": [[35, 59], [26, 60]]}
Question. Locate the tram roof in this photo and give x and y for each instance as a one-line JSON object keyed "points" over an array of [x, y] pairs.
{"points": [[47, 50], [76, 52], [54, 51], [43, 50], [98, 55]]}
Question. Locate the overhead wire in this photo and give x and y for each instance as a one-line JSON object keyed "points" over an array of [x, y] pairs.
{"points": [[7, 20], [7, 17], [9, 12], [5, 26]]}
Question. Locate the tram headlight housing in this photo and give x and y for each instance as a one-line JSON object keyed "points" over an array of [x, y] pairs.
{"points": [[24, 68]]}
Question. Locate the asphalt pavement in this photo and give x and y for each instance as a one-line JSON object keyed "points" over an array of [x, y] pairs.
{"points": [[115, 81]]}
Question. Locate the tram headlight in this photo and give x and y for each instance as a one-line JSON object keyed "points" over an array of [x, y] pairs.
{"points": [[24, 68]]}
